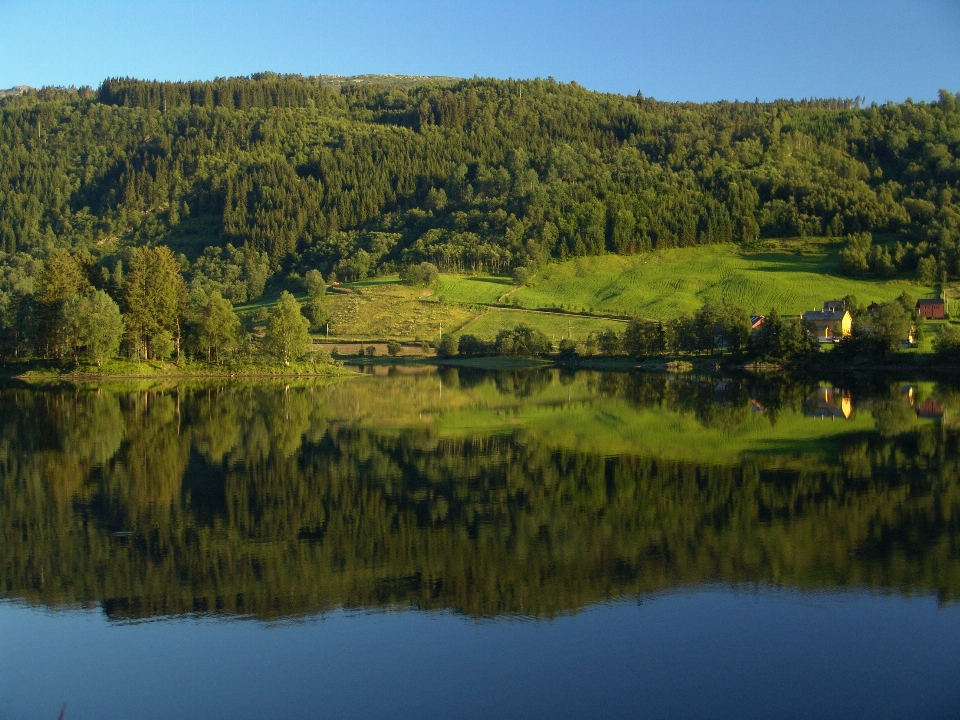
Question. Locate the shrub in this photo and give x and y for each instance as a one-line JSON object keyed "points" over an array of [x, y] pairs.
{"points": [[522, 341], [394, 348], [472, 345], [568, 348], [419, 275], [448, 346]]}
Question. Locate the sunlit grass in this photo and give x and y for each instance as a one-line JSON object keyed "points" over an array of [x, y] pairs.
{"points": [[664, 284]]}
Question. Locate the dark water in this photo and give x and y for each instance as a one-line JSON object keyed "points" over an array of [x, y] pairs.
{"points": [[470, 544]]}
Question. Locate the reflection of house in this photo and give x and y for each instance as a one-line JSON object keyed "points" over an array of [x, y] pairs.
{"points": [[831, 403], [931, 308], [831, 323], [930, 408]]}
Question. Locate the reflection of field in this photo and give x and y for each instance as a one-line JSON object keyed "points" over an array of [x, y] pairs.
{"points": [[569, 415]]}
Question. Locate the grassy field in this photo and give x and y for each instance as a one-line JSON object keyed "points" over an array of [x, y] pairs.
{"points": [[791, 275], [663, 284], [392, 310], [473, 289]]}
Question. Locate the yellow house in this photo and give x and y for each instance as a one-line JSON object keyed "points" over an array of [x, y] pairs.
{"points": [[830, 324]]}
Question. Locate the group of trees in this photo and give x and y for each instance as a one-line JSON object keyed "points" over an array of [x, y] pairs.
{"points": [[285, 173], [720, 328], [147, 312]]}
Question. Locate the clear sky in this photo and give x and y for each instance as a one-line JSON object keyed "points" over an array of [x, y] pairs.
{"points": [[672, 49]]}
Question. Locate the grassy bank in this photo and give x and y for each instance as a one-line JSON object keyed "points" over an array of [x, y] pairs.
{"points": [[40, 371]]}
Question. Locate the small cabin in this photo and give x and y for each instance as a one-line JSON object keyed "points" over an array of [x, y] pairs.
{"points": [[757, 321], [932, 308], [830, 324]]}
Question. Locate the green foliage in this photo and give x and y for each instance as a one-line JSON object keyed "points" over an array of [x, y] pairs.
{"points": [[522, 341], [93, 326], [420, 274], [463, 174], [663, 285], [316, 304], [394, 348], [884, 331], [287, 337], [947, 343], [155, 296], [644, 339], [251, 177], [238, 274], [218, 330], [61, 279], [779, 340], [448, 346]]}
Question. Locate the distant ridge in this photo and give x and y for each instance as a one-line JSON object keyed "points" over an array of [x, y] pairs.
{"points": [[16, 90], [387, 79]]}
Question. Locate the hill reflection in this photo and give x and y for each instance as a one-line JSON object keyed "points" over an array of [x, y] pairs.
{"points": [[532, 493]]}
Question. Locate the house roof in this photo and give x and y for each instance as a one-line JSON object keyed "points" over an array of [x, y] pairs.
{"points": [[930, 301], [820, 316]]}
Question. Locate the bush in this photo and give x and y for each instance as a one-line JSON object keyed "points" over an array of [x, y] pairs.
{"points": [[521, 275], [568, 349], [394, 348], [448, 346], [419, 275], [522, 341], [947, 344], [472, 345], [371, 350]]}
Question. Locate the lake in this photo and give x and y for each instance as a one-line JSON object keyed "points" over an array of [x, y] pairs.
{"points": [[469, 543]]}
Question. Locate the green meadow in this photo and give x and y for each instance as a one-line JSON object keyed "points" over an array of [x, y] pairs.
{"points": [[792, 276], [667, 283]]}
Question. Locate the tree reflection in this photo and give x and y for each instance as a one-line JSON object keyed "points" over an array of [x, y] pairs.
{"points": [[278, 500]]}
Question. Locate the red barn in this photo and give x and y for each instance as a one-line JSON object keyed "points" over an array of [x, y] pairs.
{"points": [[932, 308]]}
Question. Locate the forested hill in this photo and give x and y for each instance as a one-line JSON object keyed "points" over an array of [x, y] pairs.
{"points": [[358, 177]]}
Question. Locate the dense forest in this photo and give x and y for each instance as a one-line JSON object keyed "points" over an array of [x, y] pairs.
{"points": [[262, 179], [281, 500]]}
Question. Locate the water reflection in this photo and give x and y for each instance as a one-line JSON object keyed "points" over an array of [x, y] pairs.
{"points": [[528, 492]]}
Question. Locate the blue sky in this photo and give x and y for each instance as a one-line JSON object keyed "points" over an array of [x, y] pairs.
{"points": [[681, 50]]}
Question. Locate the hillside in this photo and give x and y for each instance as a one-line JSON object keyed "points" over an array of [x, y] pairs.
{"points": [[793, 276], [252, 182]]}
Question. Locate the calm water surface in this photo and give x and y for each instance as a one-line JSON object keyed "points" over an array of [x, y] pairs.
{"points": [[474, 544]]}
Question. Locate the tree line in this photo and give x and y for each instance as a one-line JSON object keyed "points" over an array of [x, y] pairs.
{"points": [[148, 312]]}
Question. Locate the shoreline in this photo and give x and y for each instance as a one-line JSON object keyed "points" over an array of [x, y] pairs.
{"points": [[37, 372]]}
